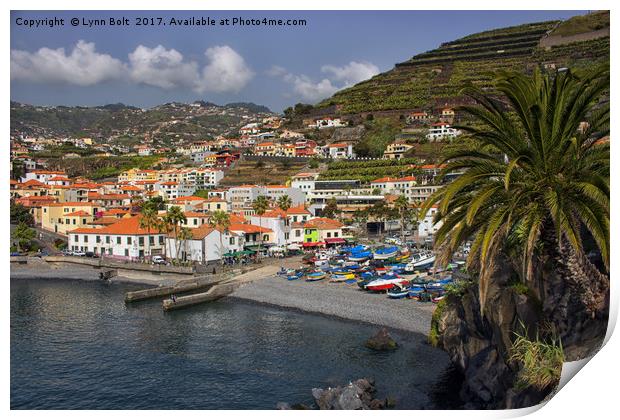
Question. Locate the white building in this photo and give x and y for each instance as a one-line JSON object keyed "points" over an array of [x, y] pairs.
{"points": [[171, 190], [206, 245], [340, 151], [441, 130], [327, 122], [42, 176], [124, 239]]}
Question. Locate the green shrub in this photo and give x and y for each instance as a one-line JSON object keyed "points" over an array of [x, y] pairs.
{"points": [[540, 362], [433, 335]]}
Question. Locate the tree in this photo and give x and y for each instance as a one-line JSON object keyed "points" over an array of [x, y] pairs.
{"points": [[260, 206], [220, 220], [380, 211], [20, 214], [402, 206], [23, 235], [158, 202], [284, 202], [538, 180], [185, 234], [331, 208], [173, 219], [149, 220]]}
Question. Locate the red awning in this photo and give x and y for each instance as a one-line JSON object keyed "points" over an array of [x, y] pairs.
{"points": [[332, 241], [311, 244]]}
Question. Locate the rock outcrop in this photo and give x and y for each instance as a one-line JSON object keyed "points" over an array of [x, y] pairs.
{"points": [[381, 341], [480, 345]]}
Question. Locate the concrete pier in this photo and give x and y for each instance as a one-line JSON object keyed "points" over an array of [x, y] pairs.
{"points": [[157, 292], [214, 293]]}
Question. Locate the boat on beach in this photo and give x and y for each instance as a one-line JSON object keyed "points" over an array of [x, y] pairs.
{"points": [[385, 282], [360, 256], [316, 276], [336, 278], [399, 291], [385, 253], [420, 261]]}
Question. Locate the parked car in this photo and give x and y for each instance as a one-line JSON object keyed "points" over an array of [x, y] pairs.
{"points": [[158, 259], [67, 253], [407, 233], [91, 254], [79, 253], [16, 254]]}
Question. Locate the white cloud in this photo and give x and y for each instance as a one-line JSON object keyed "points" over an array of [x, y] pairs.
{"points": [[314, 91], [309, 90], [84, 66], [161, 67], [352, 73], [276, 71], [226, 71]]}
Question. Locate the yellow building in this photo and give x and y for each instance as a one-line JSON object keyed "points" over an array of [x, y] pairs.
{"points": [[63, 217], [396, 150], [136, 174]]}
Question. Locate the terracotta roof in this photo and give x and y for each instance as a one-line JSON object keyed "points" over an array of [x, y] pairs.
{"points": [[237, 219], [74, 203], [323, 223], [274, 213], [188, 198], [339, 145], [33, 183], [247, 228], [128, 226], [301, 209], [59, 178], [384, 179], [78, 213]]}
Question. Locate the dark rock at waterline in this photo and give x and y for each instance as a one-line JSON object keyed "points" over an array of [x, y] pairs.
{"points": [[358, 395], [283, 406], [381, 341]]}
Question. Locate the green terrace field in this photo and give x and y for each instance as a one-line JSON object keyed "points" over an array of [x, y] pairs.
{"points": [[98, 168], [370, 170], [436, 78], [264, 171]]}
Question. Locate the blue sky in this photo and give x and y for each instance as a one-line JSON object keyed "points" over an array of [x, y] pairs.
{"points": [[273, 66]]}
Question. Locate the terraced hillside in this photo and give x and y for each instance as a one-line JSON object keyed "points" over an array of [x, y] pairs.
{"points": [[263, 170], [435, 78]]}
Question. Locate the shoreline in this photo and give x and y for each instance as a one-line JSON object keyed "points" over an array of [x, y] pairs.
{"points": [[338, 300]]}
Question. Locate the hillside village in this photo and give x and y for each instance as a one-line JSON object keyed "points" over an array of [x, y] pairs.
{"points": [[322, 175]]}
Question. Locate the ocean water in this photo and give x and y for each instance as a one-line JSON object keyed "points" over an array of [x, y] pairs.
{"points": [[77, 345]]}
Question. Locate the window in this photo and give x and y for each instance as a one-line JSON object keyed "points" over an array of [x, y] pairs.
{"points": [[97, 238], [231, 241], [287, 235], [161, 240], [76, 238], [141, 241], [126, 252], [107, 239], [335, 234], [297, 233], [329, 234], [118, 240], [83, 221], [218, 206], [129, 240], [151, 240], [85, 238], [75, 220], [195, 222], [67, 221]]}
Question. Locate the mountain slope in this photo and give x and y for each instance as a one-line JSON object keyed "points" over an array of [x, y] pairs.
{"points": [[198, 120], [435, 78]]}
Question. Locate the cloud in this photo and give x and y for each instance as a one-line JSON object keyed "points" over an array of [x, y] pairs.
{"points": [[226, 71], [84, 66], [351, 73], [309, 90], [276, 71], [161, 67], [339, 78]]}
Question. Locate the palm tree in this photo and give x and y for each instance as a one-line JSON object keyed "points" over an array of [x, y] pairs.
{"points": [[149, 220], [22, 235], [401, 204], [284, 202], [260, 206], [537, 176], [173, 219], [379, 211], [220, 220], [185, 234]]}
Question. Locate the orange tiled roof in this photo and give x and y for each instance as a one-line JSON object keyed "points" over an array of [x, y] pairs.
{"points": [[323, 223], [78, 213], [128, 226], [248, 228], [301, 209]]}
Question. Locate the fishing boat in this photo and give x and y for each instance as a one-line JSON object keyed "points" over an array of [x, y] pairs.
{"points": [[385, 282], [315, 276], [385, 253], [355, 249], [295, 276], [398, 292], [420, 261], [335, 278], [360, 256]]}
